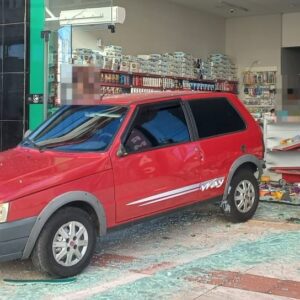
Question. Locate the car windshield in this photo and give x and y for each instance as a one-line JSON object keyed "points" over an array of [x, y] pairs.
{"points": [[78, 128]]}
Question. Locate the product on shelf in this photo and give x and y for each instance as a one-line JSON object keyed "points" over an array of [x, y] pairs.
{"points": [[219, 66], [85, 56], [105, 90], [112, 57], [202, 86], [280, 192], [288, 144], [176, 64], [142, 90], [260, 77], [168, 64], [109, 71], [259, 91]]}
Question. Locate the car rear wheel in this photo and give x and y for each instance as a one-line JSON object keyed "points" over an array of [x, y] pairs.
{"points": [[243, 197], [66, 243]]}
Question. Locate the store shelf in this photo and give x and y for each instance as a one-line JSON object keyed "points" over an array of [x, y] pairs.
{"points": [[146, 87], [116, 82], [229, 81], [145, 75], [230, 89], [124, 86], [274, 133], [258, 105], [113, 72]]}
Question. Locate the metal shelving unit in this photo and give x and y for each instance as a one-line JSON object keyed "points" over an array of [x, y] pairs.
{"points": [[259, 87]]}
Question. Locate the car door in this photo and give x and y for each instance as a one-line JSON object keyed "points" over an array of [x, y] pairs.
{"points": [[161, 168], [221, 136]]}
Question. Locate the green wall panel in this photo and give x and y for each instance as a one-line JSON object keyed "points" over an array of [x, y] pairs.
{"points": [[37, 22], [36, 69], [35, 115]]}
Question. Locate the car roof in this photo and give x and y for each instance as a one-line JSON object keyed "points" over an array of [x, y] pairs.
{"points": [[138, 98]]}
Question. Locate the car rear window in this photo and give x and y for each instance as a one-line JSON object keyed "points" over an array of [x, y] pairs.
{"points": [[215, 117]]}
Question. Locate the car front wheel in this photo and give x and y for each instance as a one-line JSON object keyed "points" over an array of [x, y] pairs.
{"points": [[243, 197], [66, 243]]}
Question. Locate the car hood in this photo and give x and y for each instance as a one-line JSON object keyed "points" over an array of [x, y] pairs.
{"points": [[24, 171]]}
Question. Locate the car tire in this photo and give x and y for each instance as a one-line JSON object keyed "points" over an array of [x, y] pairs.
{"points": [[243, 196], [66, 243]]}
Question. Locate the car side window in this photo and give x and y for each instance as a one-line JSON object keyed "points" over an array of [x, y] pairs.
{"points": [[215, 117], [157, 125]]}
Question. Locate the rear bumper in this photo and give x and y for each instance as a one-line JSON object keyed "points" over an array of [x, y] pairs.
{"points": [[13, 238]]}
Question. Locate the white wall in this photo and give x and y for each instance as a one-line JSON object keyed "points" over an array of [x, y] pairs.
{"points": [[291, 30], [255, 39], [159, 26]]}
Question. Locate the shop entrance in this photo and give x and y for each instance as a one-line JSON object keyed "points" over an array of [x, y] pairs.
{"points": [[54, 34]]}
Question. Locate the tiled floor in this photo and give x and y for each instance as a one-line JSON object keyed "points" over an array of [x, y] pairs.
{"points": [[192, 254]]}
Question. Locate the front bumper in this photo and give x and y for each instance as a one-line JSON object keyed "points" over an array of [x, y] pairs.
{"points": [[13, 238]]}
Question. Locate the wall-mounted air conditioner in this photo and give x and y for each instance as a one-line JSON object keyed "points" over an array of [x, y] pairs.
{"points": [[93, 16]]}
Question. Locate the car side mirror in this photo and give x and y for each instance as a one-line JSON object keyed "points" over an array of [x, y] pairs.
{"points": [[122, 151]]}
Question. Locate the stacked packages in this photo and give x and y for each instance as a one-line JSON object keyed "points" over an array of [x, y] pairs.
{"points": [[112, 57], [84, 56], [219, 66], [177, 64], [169, 64]]}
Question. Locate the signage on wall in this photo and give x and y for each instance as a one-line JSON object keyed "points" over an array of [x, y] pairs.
{"points": [[65, 45]]}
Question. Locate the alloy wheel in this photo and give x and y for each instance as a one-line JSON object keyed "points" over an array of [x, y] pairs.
{"points": [[244, 196], [70, 244]]}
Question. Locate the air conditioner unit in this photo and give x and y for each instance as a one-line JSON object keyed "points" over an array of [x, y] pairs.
{"points": [[93, 16]]}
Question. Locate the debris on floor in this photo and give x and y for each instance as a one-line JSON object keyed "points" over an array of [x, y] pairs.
{"points": [[280, 192], [188, 254]]}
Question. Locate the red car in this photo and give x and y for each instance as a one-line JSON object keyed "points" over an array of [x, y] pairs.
{"points": [[93, 167]]}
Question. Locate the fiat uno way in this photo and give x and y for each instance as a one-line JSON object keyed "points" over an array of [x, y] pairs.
{"points": [[93, 167]]}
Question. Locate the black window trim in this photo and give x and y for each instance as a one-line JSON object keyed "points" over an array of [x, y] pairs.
{"points": [[163, 104], [217, 135]]}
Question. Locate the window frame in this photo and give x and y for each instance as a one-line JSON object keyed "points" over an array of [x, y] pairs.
{"points": [[190, 126], [193, 121]]}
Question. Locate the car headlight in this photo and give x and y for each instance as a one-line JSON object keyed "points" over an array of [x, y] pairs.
{"points": [[3, 212]]}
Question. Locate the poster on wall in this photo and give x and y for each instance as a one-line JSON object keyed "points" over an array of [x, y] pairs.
{"points": [[64, 54], [65, 45]]}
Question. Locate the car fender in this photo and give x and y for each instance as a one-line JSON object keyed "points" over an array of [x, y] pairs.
{"points": [[54, 205], [248, 158]]}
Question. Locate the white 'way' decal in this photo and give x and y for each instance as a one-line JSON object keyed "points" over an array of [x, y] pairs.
{"points": [[211, 184], [202, 186]]}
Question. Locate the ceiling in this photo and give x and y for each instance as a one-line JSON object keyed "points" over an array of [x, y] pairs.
{"points": [[242, 8]]}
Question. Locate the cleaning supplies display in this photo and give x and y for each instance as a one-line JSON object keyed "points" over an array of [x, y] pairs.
{"points": [[259, 92]]}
